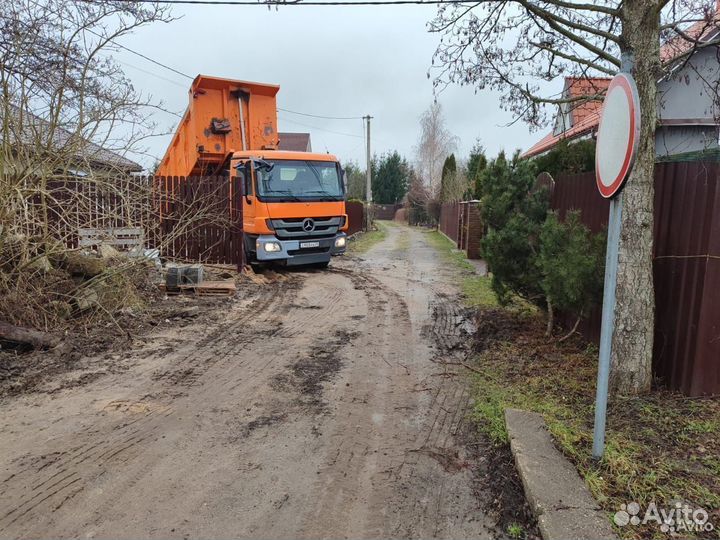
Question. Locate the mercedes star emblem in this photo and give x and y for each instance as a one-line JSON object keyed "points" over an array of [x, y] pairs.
{"points": [[308, 225]]}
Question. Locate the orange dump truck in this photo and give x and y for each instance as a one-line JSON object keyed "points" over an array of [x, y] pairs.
{"points": [[293, 202]]}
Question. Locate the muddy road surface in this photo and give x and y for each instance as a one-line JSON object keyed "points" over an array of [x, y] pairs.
{"points": [[311, 407]]}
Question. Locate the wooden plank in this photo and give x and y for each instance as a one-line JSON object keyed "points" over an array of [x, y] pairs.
{"points": [[110, 231], [210, 288], [85, 242]]}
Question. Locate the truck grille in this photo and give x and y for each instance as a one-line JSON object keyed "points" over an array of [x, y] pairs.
{"points": [[292, 228]]}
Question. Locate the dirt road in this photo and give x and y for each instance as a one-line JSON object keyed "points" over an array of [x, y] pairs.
{"points": [[310, 408]]}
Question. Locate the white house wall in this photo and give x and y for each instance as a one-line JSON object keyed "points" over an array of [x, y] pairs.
{"points": [[688, 106]]}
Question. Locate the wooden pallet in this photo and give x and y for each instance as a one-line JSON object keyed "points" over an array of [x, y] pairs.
{"points": [[206, 288]]}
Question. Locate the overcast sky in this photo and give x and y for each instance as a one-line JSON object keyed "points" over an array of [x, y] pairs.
{"points": [[332, 61]]}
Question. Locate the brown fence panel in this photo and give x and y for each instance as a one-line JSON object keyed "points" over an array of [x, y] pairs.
{"points": [[474, 226], [686, 268], [356, 216], [579, 192], [385, 211], [687, 276], [201, 219], [450, 220], [73, 203]]}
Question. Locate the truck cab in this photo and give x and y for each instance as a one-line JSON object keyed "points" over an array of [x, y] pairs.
{"points": [[293, 206]]}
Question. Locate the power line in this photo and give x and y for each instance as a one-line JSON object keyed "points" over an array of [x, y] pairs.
{"points": [[323, 117], [320, 129], [178, 72], [304, 3], [141, 55], [151, 73]]}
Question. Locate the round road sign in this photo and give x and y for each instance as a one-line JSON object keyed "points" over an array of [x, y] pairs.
{"points": [[618, 135]]}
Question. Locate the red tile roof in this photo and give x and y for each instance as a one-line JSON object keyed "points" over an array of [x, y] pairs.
{"points": [[585, 114], [587, 125], [699, 31], [585, 87]]}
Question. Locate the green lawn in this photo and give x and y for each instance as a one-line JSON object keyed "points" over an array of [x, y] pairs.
{"points": [[477, 290], [660, 447], [361, 242]]}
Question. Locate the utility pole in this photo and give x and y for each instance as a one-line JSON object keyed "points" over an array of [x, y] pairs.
{"points": [[368, 175]]}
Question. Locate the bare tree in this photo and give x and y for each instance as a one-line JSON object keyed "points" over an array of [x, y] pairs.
{"points": [[67, 110], [435, 144], [68, 118], [519, 47]]}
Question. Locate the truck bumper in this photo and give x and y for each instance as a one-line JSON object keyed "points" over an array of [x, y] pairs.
{"points": [[297, 252]]}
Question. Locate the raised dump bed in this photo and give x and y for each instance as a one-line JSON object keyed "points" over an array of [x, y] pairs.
{"points": [[223, 116]]}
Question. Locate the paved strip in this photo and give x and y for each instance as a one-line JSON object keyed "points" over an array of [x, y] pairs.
{"points": [[557, 495]]}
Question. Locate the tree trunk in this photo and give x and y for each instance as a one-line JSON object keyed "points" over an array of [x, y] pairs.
{"points": [[34, 338], [632, 344], [551, 318]]}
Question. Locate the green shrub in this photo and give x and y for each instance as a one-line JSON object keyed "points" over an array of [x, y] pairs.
{"points": [[514, 214], [571, 262], [568, 158], [530, 252]]}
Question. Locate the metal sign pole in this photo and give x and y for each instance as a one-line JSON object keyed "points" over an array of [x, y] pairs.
{"points": [[608, 324], [617, 145]]}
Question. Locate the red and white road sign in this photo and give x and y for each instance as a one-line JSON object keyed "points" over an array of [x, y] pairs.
{"points": [[618, 135]]}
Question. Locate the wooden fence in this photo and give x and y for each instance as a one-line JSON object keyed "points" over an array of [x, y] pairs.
{"points": [[201, 219], [385, 211], [450, 220], [195, 219], [61, 206]]}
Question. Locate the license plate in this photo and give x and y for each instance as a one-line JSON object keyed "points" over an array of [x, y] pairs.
{"points": [[309, 244]]}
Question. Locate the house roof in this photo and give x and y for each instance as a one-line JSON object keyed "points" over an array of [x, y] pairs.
{"points": [[586, 87], [31, 128], [588, 124], [295, 142], [586, 115], [703, 30]]}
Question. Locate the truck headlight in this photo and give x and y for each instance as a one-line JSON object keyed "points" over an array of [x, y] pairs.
{"points": [[271, 247], [340, 242]]}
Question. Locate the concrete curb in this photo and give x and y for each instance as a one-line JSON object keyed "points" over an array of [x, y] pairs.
{"points": [[557, 495]]}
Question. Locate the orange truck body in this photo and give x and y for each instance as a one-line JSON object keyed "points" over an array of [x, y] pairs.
{"points": [[293, 203]]}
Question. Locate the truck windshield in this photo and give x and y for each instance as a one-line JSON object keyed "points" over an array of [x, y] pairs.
{"points": [[300, 180]]}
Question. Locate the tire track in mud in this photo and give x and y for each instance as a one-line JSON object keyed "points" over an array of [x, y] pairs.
{"points": [[87, 462], [192, 366], [346, 482], [439, 439], [427, 467]]}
